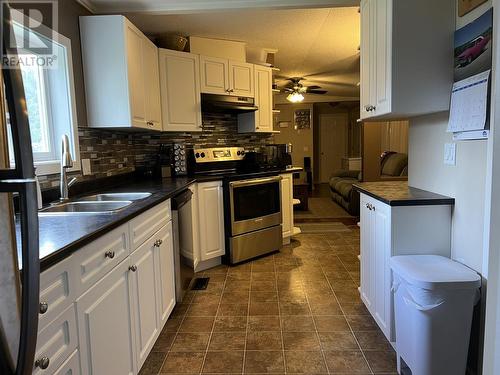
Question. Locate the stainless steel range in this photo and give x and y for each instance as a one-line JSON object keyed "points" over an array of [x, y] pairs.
{"points": [[252, 199]]}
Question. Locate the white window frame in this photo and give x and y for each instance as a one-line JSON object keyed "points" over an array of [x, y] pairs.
{"points": [[47, 167]]}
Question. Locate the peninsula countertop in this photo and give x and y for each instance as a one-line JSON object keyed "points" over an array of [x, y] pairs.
{"points": [[398, 193]]}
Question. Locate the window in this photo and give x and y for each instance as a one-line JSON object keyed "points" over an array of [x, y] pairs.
{"points": [[50, 101]]}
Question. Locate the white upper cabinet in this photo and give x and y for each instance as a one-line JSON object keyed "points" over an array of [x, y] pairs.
{"points": [[211, 220], [241, 79], [120, 66], [260, 121], [180, 91], [225, 77], [214, 75], [406, 58]]}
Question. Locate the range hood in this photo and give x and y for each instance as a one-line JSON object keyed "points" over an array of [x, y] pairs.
{"points": [[227, 103]]}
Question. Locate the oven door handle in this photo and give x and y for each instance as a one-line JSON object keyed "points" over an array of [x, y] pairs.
{"points": [[255, 181]]}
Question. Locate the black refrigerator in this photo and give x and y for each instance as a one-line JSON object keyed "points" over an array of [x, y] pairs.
{"points": [[19, 262]]}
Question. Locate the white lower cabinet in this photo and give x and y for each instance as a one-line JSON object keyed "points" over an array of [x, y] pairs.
{"points": [[145, 301], [287, 205], [164, 259], [106, 325], [71, 366], [56, 342], [211, 220], [388, 231]]}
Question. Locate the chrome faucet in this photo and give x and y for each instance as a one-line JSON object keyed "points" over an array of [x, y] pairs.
{"points": [[66, 162]]}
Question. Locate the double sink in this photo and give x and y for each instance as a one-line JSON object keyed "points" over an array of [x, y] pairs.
{"points": [[94, 204]]}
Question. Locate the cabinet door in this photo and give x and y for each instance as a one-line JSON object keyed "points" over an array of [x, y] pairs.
{"points": [[214, 75], [241, 79], [144, 297], [367, 89], [180, 91], [287, 204], [382, 19], [152, 85], [367, 256], [135, 63], [164, 260], [106, 325], [71, 366], [263, 99], [382, 279], [211, 219]]}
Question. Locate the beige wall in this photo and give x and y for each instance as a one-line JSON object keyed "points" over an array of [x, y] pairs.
{"points": [[301, 139]]}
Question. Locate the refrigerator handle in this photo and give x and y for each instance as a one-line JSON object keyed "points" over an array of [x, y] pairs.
{"points": [[22, 180]]}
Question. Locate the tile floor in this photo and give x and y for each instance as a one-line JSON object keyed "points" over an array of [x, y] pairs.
{"points": [[294, 312]]}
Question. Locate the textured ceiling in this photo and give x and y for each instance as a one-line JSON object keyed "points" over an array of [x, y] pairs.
{"points": [[319, 44]]}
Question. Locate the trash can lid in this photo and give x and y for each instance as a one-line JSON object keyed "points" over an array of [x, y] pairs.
{"points": [[434, 272]]}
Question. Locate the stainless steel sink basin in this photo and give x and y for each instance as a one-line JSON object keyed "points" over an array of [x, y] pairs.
{"points": [[115, 197], [85, 208]]}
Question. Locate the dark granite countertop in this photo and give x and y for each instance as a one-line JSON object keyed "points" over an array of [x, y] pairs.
{"points": [[398, 193], [60, 236]]}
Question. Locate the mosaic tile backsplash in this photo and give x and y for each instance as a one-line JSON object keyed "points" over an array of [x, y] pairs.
{"points": [[113, 152]]}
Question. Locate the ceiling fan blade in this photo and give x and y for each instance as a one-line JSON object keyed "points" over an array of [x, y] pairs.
{"points": [[313, 87], [318, 92]]}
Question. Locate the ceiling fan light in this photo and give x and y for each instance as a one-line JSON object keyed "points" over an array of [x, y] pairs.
{"points": [[295, 97]]}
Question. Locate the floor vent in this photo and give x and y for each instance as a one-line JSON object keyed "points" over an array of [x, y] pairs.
{"points": [[200, 283]]}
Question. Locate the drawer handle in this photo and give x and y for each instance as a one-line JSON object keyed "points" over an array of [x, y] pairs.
{"points": [[109, 254], [44, 306], [42, 363], [158, 242], [133, 268]]}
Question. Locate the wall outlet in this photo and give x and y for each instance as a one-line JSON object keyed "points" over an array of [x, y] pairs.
{"points": [[86, 169], [450, 153]]}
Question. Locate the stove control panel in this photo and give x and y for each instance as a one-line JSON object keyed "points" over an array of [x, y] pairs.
{"points": [[218, 154]]}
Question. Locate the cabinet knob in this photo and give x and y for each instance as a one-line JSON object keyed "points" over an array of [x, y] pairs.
{"points": [[370, 108], [150, 123], [133, 268], [44, 306], [109, 254], [42, 363], [158, 242]]}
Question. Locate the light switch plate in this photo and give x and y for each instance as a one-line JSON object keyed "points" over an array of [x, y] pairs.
{"points": [[86, 169], [450, 153]]}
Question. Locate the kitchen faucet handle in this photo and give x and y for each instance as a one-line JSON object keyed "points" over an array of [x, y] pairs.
{"points": [[72, 181]]}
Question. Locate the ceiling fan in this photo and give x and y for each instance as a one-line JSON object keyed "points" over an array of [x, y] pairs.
{"points": [[296, 90]]}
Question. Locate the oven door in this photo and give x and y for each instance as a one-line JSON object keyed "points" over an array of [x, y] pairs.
{"points": [[255, 204]]}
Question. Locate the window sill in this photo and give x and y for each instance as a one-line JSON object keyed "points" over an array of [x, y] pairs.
{"points": [[44, 168]]}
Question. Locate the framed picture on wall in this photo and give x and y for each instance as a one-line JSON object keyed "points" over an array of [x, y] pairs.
{"points": [[302, 118], [466, 6]]}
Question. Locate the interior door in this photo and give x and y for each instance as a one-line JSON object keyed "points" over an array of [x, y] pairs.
{"points": [[332, 144]]}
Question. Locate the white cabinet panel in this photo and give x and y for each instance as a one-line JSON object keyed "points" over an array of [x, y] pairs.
{"points": [[95, 260], [263, 99], [211, 219], [57, 341], [57, 291], [180, 91], [152, 85], [241, 79], [106, 325], [71, 366], [166, 274], [287, 204], [214, 75], [135, 63], [145, 225], [143, 279]]}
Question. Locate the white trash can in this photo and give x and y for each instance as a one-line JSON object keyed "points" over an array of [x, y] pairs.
{"points": [[433, 300]]}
